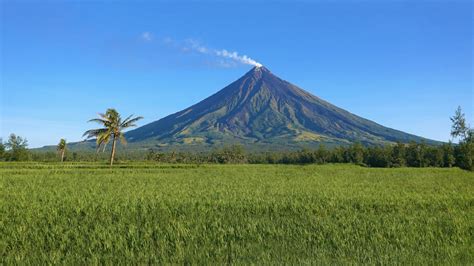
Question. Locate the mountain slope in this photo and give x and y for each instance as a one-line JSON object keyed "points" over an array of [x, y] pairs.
{"points": [[260, 108]]}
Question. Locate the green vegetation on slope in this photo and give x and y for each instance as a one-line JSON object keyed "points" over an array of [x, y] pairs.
{"points": [[260, 109], [140, 213]]}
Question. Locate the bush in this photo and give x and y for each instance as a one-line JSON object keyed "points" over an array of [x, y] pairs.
{"points": [[16, 148], [465, 155]]}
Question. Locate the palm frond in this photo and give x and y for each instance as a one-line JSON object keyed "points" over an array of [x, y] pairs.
{"points": [[130, 122], [99, 120], [102, 141], [126, 119], [103, 137], [102, 145], [97, 149], [94, 132]]}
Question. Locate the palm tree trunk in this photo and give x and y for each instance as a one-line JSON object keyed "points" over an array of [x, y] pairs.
{"points": [[113, 151], [62, 155]]}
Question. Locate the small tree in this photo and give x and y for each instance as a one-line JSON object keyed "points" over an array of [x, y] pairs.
{"points": [[338, 155], [434, 156], [321, 154], [448, 153], [414, 155], [459, 129], [356, 154], [399, 155], [230, 154], [464, 152], [17, 148], [61, 148], [379, 156]]}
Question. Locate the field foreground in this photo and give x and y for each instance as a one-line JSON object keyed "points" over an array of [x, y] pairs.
{"points": [[149, 213]]}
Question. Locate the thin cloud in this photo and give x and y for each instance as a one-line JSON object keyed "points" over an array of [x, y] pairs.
{"points": [[167, 40], [196, 46], [147, 36]]}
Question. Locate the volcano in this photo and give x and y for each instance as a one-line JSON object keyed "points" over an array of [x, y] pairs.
{"points": [[262, 110]]}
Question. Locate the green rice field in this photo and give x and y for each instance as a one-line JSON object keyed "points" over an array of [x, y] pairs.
{"points": [[137, 213]]}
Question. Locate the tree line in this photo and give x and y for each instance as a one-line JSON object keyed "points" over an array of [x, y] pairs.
{"points": [[397, 155]]}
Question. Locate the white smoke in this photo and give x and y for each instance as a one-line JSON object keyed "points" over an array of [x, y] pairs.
{"points": [[239, 58], [196, 46]]}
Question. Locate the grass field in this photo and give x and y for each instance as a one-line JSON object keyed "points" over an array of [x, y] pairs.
{"points": [[145, 213]]}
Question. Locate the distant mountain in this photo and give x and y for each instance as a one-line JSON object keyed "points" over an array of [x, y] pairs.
{"points": [[260, 110]]}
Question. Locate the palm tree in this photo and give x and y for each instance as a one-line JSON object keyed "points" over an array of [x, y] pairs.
{"points": [[61, 148], [113, 126]]}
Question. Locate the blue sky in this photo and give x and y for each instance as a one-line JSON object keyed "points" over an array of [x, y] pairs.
{"points": [[403, 64]]}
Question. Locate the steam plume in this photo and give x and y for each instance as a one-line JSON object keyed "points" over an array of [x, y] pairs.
{"points": [[244, 59], [235, 56]]}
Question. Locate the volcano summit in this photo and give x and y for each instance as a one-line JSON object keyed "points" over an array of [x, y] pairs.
{"points": [[262, 110]]}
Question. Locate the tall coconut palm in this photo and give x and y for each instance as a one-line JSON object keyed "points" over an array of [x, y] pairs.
{"points": [[112, 130], [61, 148]]}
